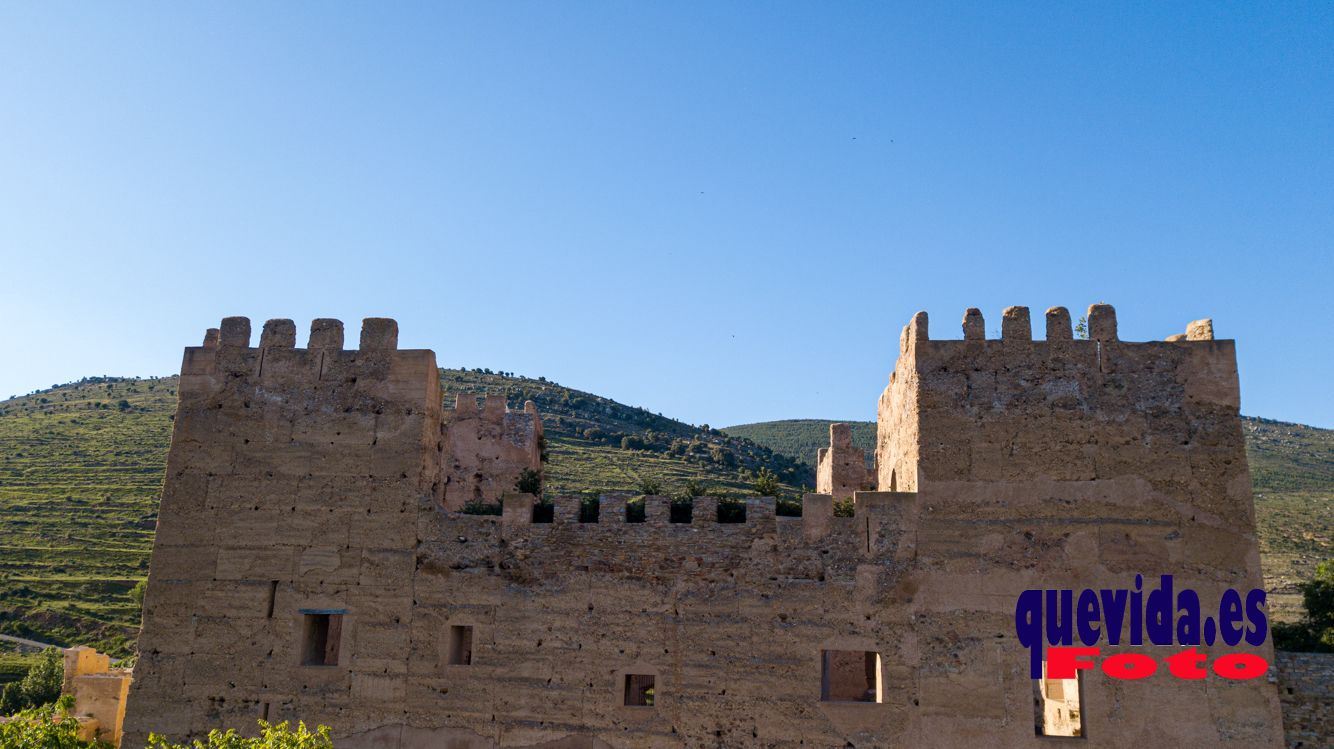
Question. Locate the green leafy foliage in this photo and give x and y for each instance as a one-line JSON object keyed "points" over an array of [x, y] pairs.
{"points": [[1315, 631], [766, 483], [529, 482], [40, 687], [279, 736], [48, 727]]}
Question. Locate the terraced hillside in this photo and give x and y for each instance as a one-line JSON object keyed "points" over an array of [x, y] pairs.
{"points": [[81, 468], [81, 465], [1292, 468]]}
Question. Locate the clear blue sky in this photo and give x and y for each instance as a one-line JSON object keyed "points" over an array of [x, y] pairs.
{"points": [[721, 211]]}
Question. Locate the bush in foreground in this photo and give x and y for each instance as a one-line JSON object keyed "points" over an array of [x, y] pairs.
{"points": [[279, 736], [47, 727]]}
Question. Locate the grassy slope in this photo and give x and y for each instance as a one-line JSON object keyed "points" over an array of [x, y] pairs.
{"points": [[80, 474], [1292, 467]]}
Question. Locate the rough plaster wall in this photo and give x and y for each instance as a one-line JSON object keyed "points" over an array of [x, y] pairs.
{"points": [[897, 416], [730, 619], [295, 473], [1072, 464], [841, 467], [489, 447]]}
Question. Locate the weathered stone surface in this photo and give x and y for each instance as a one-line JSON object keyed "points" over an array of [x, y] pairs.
{"points": [[326, 333], [1102, 322], [1306, 689], [1200, 330], [1015, 325], [841, 467], [278, 334], [99, 693], [487, 449], [974, 327], [1058, 324], [379, 333], [330, 532]]}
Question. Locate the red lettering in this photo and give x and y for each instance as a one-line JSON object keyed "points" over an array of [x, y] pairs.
{"points": [[1188, 664], [1240, 666], [1129, 666], [1061, 663]]}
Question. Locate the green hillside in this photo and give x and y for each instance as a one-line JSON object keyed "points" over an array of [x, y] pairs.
{"points": [[801, 438], [1292, 467], [81, 470]]}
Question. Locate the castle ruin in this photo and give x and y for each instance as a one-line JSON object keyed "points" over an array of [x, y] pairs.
{"points": [[311, 561]]}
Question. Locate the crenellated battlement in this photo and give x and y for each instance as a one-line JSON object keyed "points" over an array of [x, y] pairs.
{"points": [[313, 558], [377, 334], [1063, 408], [227, 350]]}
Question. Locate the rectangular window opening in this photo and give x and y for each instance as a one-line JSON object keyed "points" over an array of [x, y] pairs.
{"points": [[850, 676], [639, 690], [321, 635], [1057, 706], [460, 645]]}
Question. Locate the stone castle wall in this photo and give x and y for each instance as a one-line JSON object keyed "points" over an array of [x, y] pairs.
{"points": [[1306, 689], [306, 502], [840, 469], [488, 448]]}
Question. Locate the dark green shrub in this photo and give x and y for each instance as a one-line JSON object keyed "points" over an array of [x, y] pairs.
{"points": [[843, 508], [478, 507], [766, 483], [529, 482], [1315, 632]]}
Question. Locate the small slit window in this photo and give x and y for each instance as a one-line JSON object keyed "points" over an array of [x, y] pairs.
{"points": [[850, 676], [322, 632], [460, 645], [639, 690], [1057, 706]]}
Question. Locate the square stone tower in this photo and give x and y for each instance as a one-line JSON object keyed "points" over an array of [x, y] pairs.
{"points": [[310, 565]]}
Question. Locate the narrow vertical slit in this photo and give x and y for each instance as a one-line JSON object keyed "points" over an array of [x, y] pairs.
{"points": [[273, 595]]}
